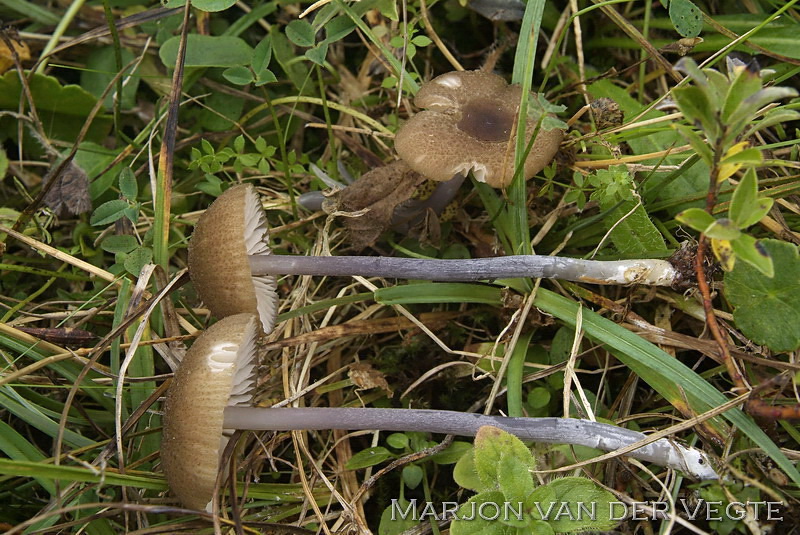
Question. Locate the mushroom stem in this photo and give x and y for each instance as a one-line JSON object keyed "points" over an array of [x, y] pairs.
{"points": [[550, 430], [652, 272]]}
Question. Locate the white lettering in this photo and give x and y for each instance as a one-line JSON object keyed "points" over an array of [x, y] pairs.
{"points": [[542, 514], [591, 511], [428, 512], [691, 515], [776, 510], [660, 510], [449, 510], [508, 506], [486, 505], [712, 511], [612, 508], [564, 510], [410, 510]]}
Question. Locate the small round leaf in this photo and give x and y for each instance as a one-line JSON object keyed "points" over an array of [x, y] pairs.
{"points": [[767, 310]]}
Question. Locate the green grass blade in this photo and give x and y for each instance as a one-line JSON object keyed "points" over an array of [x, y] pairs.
{"points": [[31, 414], [17, 448], [668, 376], [79, 473], [433, 292]]}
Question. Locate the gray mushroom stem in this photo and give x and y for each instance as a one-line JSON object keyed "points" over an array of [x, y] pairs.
{"points": [[549, 430], [651, 272]]}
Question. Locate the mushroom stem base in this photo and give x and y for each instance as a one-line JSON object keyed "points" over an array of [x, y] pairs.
{"points": [[550, 430], [651, 272]]}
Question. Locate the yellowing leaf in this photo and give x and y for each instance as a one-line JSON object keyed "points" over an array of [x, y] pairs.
{"points": [[7, 59], [724, 253], [727, 170]]}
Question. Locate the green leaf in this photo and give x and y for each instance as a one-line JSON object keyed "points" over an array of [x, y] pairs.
{"points": [[483, 515], [689, 67], [631, 230], [137, 259], [746, 208], [238, 75], [698, 143], [750, 156], [397, 440], [262, 55], [723, 229], [301, 33], [421, 41], [338, 28], [221, 112], [32, 11], [686, 17], [496, 454], [697, 108], [767, 310], [265, 77], [749, 107], [132, 212], [204, 5], [696, 218], [207, 51], [465, 473], [124, 243], [63, 109], [3, 162], [771, 118], [412, 476], [318, 53], [128, 185], [515, 481], [746, 248], [368, 457], [108, 212], [454, 453], [541, 503], [398, 518], [588, 504], [539, 397], [101, 68], [744, 84]]}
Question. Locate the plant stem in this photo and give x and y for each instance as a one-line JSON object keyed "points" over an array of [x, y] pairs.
{"points": [[653, 272], [549, 430]]}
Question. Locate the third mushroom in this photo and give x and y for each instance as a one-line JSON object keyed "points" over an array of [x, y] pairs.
{"points": [[469, 124]]}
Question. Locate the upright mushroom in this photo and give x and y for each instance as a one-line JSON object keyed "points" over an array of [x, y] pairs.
{"points": [[232, 268], [212, 388], [467, 126]]}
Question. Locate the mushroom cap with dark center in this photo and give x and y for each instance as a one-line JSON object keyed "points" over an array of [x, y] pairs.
{"points": [[468, 125], [217, 371], [229, 231]]}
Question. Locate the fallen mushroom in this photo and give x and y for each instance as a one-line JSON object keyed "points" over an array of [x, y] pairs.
{"points": [[233, 271], [212, 390], [468, 125], [391, 195]]}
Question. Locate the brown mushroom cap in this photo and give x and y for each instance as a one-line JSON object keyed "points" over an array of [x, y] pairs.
{"points": [[216, 372], [467, 126], [231, 229]]}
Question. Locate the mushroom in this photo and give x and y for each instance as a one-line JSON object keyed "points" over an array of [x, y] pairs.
{"points": [[468, 125], [395, 195], [233, 271], [232, 230], [212, 390]]}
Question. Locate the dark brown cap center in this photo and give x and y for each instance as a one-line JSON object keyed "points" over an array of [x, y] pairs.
{"points": [[487, 120]]}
